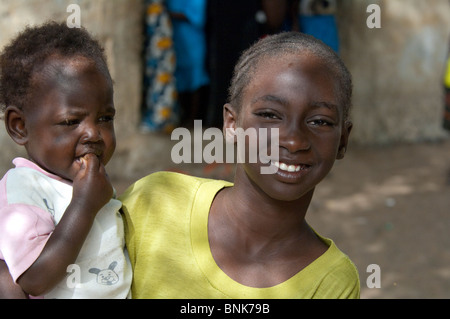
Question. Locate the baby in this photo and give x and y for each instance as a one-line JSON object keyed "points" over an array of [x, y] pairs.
{"points": [[57, 211]]}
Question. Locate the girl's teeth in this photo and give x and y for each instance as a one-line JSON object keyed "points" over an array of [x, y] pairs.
{"points": [[289, 168]]}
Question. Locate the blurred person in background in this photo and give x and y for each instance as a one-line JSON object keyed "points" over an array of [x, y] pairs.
{"points": [[192, 80], [232, 26], [160, 109], [317, 18]]}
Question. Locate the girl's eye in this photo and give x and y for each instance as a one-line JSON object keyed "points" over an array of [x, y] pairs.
{"points": [[320, 122], [268, 115]]}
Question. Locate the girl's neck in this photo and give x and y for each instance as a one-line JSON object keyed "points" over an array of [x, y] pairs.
{"points": [[251, 212], [252, 235]]}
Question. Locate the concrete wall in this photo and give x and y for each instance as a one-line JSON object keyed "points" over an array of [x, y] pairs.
{"points": [[397, 70]]}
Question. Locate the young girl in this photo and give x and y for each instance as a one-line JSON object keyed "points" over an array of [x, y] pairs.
{"points": [[57, 214], [197, 238]]}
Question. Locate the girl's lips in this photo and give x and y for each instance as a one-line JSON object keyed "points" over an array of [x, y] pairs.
{"points": [[290, 173]]}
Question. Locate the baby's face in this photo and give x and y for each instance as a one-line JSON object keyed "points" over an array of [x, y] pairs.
{"points": [[71, 114], [296, 95]]}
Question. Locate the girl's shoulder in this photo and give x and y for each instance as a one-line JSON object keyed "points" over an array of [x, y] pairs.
{"points": [[167, 186]]}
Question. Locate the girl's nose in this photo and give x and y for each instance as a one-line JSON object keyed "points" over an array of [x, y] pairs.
{"points": [[295, 138]]}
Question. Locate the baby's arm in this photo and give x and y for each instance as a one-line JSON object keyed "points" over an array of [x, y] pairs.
{"points": [[91, 191], [8, 289]]}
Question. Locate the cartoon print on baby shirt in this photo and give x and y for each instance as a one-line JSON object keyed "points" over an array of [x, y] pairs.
{"points": [[106, 277]]}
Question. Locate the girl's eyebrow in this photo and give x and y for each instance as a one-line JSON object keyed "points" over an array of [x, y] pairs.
{"points": [[270, 98], [327, 105], [283, 102]]}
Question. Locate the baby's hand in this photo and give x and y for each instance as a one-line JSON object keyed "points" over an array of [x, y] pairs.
{"points": [[92, 187]]}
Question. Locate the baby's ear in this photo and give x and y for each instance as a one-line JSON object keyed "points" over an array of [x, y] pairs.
{"points": [[15, 125]]}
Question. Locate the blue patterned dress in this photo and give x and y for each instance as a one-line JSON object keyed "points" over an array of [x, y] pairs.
{"points": [[161, 111]]}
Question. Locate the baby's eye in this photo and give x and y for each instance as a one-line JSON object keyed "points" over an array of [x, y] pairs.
{"points": [[106, 118], [70, 122]]}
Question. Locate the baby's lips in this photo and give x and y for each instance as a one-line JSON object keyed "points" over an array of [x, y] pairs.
{"points": [[82, 160], [85, 158], [89, 156]]}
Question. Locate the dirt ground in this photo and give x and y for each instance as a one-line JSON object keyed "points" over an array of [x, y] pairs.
{"points": [[388, 206]]}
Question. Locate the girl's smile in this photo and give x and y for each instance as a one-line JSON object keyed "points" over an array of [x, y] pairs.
{"points": [[290, 173]]}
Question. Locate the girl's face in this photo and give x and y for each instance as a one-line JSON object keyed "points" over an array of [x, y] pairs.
{"points": [[296, 95], [71, 115]]}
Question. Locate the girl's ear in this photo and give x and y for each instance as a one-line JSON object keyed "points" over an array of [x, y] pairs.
{"points": [[229, 122], [15, 125], [344, 139]]}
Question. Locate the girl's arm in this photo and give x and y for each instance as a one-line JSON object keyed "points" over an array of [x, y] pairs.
{"points": [[91, 191], [8, 289]]}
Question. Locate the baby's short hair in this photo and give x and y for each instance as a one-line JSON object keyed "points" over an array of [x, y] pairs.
{"points": [[28, 52], [282, 44]]}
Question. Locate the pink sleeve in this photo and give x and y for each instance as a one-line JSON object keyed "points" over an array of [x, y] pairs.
{"points": [[24, 231]]}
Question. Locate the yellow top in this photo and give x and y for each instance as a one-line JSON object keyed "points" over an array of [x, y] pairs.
{"points": [[167, 239]]}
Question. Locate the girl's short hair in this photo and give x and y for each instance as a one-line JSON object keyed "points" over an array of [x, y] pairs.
{"points": [[28, 52], [282, 44]]}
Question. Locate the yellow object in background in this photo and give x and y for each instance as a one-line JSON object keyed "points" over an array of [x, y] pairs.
{"points": [[447, 74]]}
